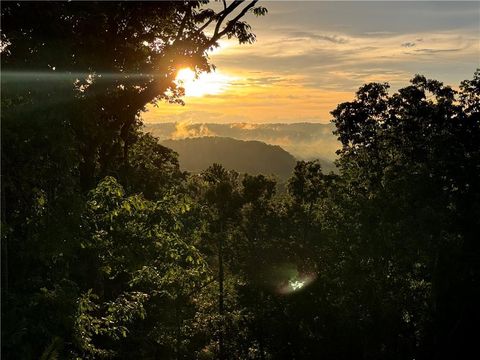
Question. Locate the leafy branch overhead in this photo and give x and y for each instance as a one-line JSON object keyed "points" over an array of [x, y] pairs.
{"points": [[120, 56], [135, 46]]}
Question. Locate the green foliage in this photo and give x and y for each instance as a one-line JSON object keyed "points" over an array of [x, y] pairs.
{"points": [[407, 166], [152, 168], [138, 263], [117, 315], [109, 251]]}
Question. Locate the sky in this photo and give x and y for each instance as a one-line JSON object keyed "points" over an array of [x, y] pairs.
{"points": [[312, 55]]}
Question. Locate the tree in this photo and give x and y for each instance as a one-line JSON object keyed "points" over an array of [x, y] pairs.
{"points": [[255, 253], [75, 77], [223, 199], [407, 163], [135, 266], [153, 169], [121, 57]]}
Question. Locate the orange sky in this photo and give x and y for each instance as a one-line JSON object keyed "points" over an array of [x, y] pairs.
{"points": [[310, 56]]}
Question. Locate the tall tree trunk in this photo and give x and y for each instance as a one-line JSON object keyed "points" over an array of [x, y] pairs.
{"points": [[177, 329], [261, 341], [87, 169], [221, 309]]}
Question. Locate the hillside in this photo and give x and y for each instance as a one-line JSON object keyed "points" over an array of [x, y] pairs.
{"points": [[305, 141], [254, 157]]}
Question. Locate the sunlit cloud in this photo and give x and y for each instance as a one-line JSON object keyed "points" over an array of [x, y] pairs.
{"points": [[183, 130]]}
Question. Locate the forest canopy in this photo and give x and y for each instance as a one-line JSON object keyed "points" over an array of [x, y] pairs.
{"points": [[109, 250]]}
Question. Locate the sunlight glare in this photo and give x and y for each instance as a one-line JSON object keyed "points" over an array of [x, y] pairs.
{"points": [[290, 280], [296, 284], [212, 83]]}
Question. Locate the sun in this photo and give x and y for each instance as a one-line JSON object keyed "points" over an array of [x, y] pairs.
{"points": [[212, 83], [185, 75]]}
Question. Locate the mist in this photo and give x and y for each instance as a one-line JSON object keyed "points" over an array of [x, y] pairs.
{"points": [[305, 141]]}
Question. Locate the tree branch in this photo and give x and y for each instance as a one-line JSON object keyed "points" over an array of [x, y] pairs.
{"points": [[159, 85], [188, 13], [227, 12], [232, 23]]}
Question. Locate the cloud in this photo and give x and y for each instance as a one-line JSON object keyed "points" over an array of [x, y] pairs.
{"points": [[244, 126], [324, 37], [259, 79], [185, 129], [436, 51], [376, 19], [378, 33], [314, 63]]}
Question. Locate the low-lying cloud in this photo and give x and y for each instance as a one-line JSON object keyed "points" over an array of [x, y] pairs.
{"points": [[305, 141]]}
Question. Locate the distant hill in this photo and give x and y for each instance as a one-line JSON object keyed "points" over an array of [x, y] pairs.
{"points": [[253, 157], [305, 141]]}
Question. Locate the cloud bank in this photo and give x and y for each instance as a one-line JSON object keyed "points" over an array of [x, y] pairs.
{"points": [[305, 141]]}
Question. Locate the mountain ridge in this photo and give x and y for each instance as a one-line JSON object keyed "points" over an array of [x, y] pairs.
{"points": [[244, 156], [304, 140]]}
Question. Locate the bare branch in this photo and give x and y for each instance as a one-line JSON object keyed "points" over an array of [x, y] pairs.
{"points": [[204, 26], [227, 12], [232, 22]]}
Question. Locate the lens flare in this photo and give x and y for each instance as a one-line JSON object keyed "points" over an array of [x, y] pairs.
{"points": [[295, 283], [289, 278]]}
